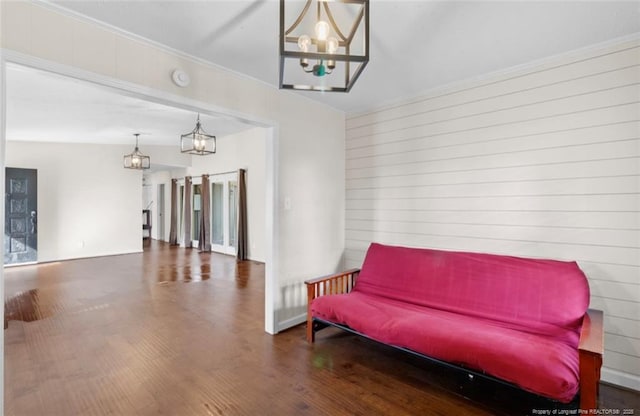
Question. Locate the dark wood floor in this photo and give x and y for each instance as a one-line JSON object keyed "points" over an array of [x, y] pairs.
{"points": [[174, 332]]}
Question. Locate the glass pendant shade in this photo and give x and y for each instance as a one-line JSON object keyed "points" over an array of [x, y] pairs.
{"points": [[197, 142], [135, 159]]}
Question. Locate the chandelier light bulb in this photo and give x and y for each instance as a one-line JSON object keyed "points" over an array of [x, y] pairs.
{"points": [[322, 30], [332, 45], [199, 143], [135, 161], [303, 43]]}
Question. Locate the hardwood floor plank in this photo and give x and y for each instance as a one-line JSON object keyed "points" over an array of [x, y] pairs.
{"points": [[174, 332]]}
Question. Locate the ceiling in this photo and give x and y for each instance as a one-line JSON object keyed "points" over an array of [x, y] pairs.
{"points": [[415, 46], [45, 107]]}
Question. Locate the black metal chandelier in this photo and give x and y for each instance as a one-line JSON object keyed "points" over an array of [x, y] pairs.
{"points": [[135, 159], [197, 142], [331, 59]]}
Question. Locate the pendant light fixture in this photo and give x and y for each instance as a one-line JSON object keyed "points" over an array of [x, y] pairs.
{"points": [[197, 142], [136, 160], [316, 52]]}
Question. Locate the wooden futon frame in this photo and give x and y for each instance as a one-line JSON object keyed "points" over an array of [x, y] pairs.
{"points": [[590, 346]]}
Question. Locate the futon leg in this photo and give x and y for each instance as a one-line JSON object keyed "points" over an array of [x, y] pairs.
{"points": [[589, 380], [311, 334], [314, 326]]}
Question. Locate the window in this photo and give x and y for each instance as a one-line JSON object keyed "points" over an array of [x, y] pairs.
{"points": [[224, 213], [217, 223], [181, 214], [195, 216], [233, 213]]}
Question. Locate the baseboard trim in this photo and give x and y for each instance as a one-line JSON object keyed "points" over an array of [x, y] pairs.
{"points": [[93, 256], [291, 322], [619, 378], [30, 263]]}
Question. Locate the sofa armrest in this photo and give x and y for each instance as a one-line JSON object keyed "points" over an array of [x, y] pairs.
{"points": [[591, 348], [333, 284]]}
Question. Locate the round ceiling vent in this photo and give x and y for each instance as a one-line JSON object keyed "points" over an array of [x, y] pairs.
{"points": [[180, 78]]}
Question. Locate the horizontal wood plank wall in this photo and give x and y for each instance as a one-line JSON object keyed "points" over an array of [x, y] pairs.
{"points": [[544, 162]]}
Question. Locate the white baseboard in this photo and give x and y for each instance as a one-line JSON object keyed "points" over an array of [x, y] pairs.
{"points": [[90, 256], [619, 378], [291, 322]]}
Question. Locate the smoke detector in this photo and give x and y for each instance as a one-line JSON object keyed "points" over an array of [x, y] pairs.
{"points": [[180, 78]]}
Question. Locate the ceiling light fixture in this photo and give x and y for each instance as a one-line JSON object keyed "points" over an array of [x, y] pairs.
{"points": [[137, 160], [197, 142], [336, 54]]}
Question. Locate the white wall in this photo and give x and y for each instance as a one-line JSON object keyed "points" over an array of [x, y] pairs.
{"points": [[245, 150], [542, 162], [309, 154], [88, 204]]}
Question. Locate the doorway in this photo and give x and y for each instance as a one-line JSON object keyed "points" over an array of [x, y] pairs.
{"points": [[10, 59], [21, 216], [160, 222]]}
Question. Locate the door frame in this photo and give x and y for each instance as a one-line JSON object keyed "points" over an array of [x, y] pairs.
{"points": [[9, 57]]}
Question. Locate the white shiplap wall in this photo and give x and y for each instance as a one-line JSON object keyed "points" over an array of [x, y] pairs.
{"points": [[542, 162]]}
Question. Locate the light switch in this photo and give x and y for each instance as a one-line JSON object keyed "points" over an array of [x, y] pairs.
{"points": [[287, 203]]}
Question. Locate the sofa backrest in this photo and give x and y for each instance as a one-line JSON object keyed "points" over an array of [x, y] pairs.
{"points": [[540, 295]]}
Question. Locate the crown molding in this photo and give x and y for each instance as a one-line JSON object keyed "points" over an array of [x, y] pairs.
{"points": [[575, 55]]}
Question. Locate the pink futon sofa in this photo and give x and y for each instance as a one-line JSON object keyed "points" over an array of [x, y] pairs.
{"points": [[524, 321]]}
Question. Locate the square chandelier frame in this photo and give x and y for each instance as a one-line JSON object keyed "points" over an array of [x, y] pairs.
{"points": [[197, 141], [136, 160], [189, 144], [348, 59]]}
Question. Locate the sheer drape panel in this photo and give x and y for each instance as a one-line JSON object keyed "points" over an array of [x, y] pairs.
{"points": [[187, 211], [173, 225], [204, 239], [242, 216]]}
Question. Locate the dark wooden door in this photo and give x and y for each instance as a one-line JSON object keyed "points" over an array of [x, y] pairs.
{"points": [[21, 216]]}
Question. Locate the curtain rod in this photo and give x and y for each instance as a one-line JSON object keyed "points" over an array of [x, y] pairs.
{"points": [[211, 174]]}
